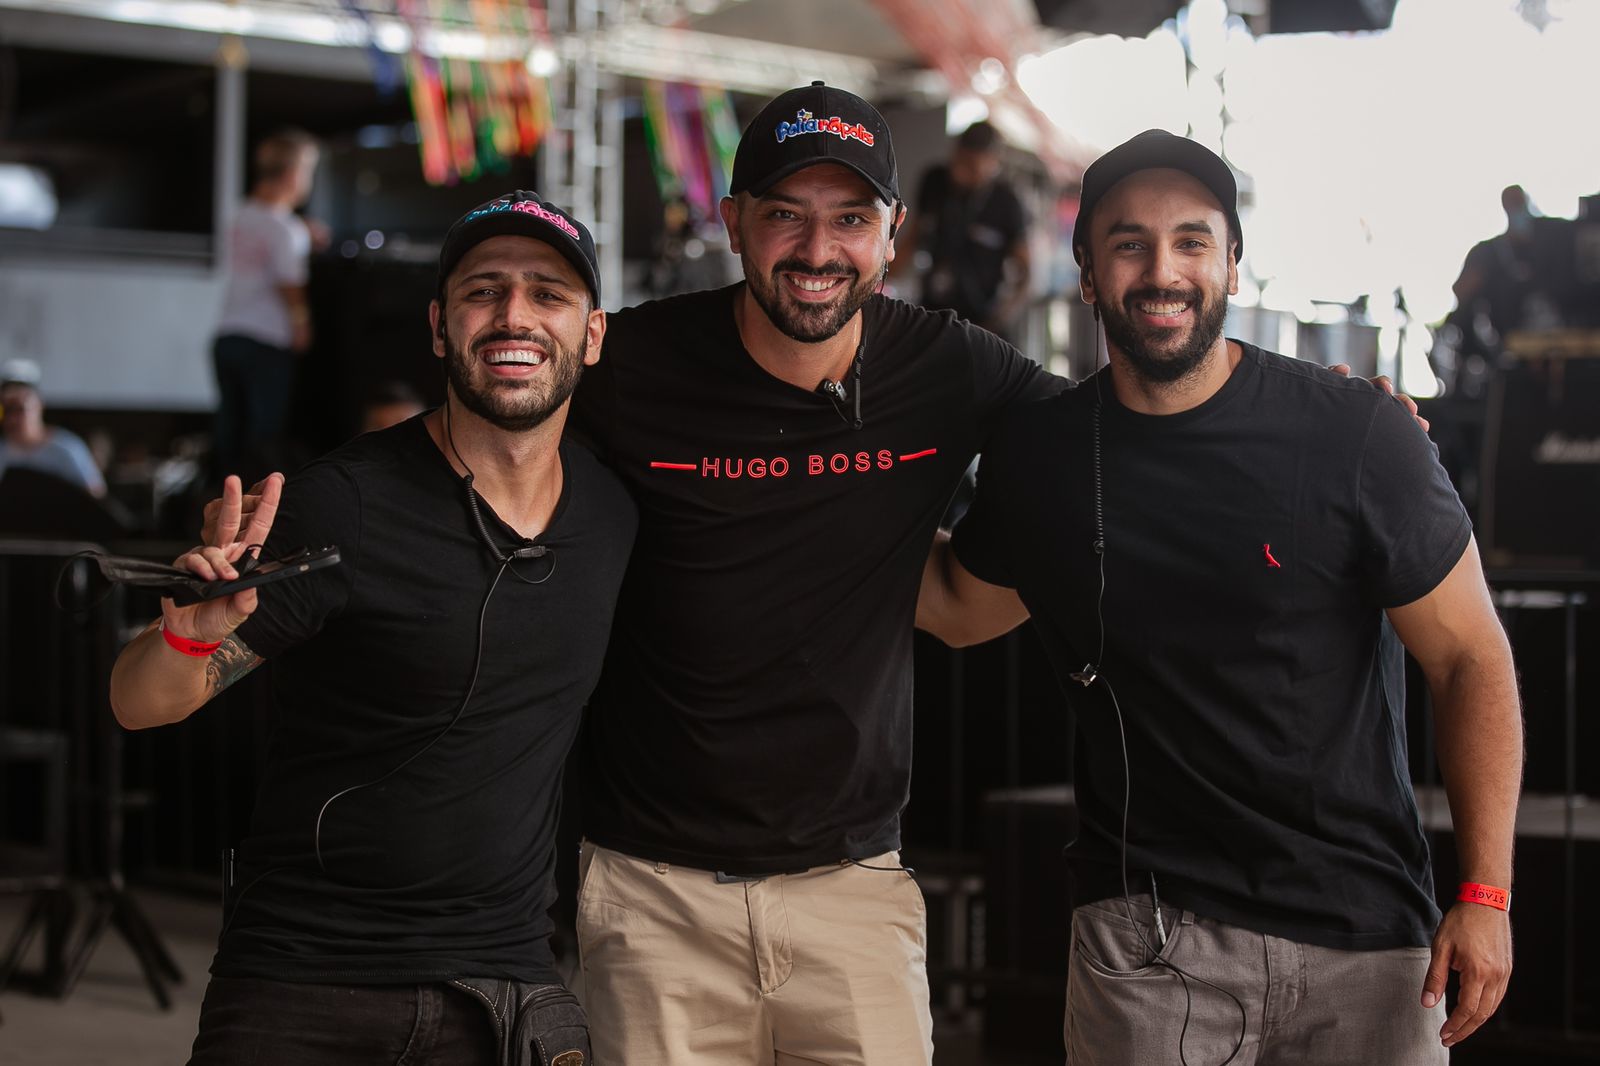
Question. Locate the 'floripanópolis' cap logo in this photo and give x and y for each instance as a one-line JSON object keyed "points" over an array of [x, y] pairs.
{"points": [[804, 123]]}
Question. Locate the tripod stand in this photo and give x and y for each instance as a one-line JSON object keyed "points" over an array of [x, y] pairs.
{"points": [[71, 680]]}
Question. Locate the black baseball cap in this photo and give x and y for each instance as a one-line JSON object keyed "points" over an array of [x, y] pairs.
{"points": [[523, 214], [811, 125], [1151, 150]]}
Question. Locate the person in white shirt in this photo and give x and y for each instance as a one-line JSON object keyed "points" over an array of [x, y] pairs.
{"points": [[266, 319]]}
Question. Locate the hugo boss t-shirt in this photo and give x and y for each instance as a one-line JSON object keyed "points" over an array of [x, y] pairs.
{"points": [[754, 714]]}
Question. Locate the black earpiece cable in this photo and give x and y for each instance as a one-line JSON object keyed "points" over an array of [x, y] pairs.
{"points": [[1088, 676], [531, 551]]}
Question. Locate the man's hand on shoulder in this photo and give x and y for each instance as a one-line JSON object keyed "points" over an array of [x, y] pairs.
{"points": [[1383, 382]]}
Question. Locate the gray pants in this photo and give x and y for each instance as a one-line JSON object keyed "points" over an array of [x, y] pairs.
{"points": [[1302, 1004]]}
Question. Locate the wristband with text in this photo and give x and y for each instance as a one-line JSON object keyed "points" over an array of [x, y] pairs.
{"points": [[200, 649], [1488, 895]]}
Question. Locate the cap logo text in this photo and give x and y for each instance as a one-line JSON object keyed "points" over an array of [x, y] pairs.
{"points": [[804, 123], [527, 207]]}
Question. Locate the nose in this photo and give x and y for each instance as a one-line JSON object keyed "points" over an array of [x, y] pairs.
{"points": [[814, 244], [1161, 269], [517, 311]]}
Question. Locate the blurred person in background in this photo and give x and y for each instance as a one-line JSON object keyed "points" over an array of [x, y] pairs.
{"points": [[973, 231], [391, 403], [266, 317], [1518, 280], [25, 440]]}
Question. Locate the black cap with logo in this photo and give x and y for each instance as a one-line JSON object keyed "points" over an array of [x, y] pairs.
{"points": [[523, 214], [1151, 150], [811, 125]]}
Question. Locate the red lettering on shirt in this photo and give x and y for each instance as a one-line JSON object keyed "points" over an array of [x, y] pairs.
{"points": [[760, 467]]}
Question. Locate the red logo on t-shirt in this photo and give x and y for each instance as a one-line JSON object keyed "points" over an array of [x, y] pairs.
{"points": [[778, 466], [1266, 549]]}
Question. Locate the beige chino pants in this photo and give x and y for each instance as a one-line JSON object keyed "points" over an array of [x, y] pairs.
{"points": [[826, 966]]}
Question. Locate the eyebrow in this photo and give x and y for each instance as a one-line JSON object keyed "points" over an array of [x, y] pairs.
{"points": [[1125, 226], [526, 275], [784, 198]]}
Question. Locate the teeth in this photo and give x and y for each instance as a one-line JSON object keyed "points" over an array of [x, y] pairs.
{"points": [[519, 357], [812, 284], [1163, 309]]}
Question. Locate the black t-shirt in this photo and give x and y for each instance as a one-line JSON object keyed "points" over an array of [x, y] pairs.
{"points": [[968, 234], [1251, 545], [754, 714], [445, 868]]}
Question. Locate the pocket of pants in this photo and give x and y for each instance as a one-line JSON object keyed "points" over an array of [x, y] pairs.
{"points": [[1111, 946], [551, 1029]]}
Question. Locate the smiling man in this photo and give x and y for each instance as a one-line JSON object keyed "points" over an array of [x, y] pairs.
{"points": [[392, 894], [1219, 546], [792, 442]]}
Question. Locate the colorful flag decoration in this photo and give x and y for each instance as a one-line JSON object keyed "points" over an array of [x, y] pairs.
{"points": [[692, 133], [474, 115]]}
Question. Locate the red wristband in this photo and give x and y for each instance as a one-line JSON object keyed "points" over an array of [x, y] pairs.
{"points": [[1488, 895], [200, 649]]}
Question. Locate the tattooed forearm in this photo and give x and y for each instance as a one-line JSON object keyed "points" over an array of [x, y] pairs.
{"points": [[229, 663]]}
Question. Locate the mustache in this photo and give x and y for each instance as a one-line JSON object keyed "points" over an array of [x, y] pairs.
{"points": [[837, 268], [543, 340], [1153, 295]]}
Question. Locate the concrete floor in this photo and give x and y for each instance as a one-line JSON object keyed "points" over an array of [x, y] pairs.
{"points": [[111, 1019]]}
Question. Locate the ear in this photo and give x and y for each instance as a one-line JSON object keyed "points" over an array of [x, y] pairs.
{"points": [[436, 324], [594, 336], [1233, 270], [1086, 284], [729, 209], [897, 217]]}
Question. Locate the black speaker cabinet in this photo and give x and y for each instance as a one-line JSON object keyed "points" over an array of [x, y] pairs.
{"points": [[1540, 504], [1329, 16]]}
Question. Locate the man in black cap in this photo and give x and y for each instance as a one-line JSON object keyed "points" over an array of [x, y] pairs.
{"points": [[792, 442], [390, 901], [1219, 555]]}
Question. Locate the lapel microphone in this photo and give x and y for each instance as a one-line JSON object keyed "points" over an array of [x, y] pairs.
{"points": [[529, 550]]}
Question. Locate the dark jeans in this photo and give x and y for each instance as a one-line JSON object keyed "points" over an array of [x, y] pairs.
{"points": [[248, 1021], [255, 383]]}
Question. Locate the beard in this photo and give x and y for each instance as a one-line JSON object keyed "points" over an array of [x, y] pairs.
{"points": [[1164, 363], [514, 406], [809, 323]]}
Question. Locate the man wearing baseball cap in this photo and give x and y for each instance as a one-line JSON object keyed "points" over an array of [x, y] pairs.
{"points": [[792, 441], [1219, 557], [26, 441], [389, 903]]}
